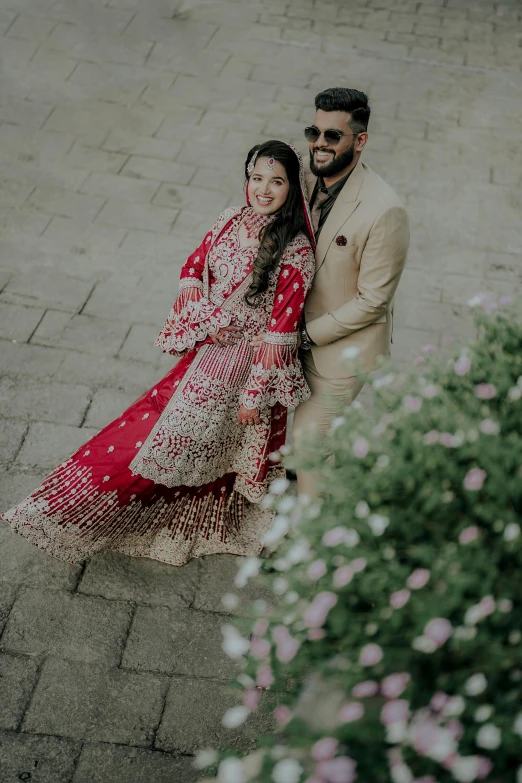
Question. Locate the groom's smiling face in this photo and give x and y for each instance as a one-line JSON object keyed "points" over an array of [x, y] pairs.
{"points": [[327, 159]]}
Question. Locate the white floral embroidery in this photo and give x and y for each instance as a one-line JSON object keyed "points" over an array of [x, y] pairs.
{"points": [[145, 416], [139, 444], [86, 453], [110, 449], [106, 478], [123, 424], [273, 322], [280, 298], [289, 311]]}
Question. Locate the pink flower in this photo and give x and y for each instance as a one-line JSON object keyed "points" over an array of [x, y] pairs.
{"points": [[429, 391], [425, 779], [335, 536], [265, 678], [400, 598], [412, 404], [431, 437], [371, 654], [282, 715], [365, 689], [260, 648], [280, 633], [484, 767], [260, 627], [315, 634], [358, 565], [352, 711], [469, 534], [447, 341], [418, 579], [455, 729], [487, 604], [475, 479], [339, 770], [395, 711], [446, 438], [287, 649], [343, 576], [317, 612], [251, 698], [439, 701], [428, 348], [395, 684], [485, 391], [325, 749], [489, 427], [438, 630], [505, 301], [418, 361], [317, 569], [360, 448], [462, 365], [425, 735]]}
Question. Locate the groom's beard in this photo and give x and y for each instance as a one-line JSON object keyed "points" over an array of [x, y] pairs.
{"points": [[337, 164]]}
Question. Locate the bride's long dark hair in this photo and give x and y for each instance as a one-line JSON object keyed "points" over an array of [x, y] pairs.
{"points": [[289, 222]]}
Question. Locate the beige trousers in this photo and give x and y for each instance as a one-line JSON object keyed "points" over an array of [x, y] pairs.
{"points": [[317, 413]]}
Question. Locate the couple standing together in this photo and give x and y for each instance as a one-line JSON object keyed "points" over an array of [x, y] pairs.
{"points": [[268, 303]]}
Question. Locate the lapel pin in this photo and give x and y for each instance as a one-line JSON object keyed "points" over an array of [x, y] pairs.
{"points": [[341, 240]]}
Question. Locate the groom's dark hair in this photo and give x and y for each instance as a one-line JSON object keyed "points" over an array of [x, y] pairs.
{"points": [[353, 102]]}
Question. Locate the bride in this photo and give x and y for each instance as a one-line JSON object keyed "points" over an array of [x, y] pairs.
{"points": [[182, 472]]}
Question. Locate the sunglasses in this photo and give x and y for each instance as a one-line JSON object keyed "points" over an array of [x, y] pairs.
{"points": [[332, 136]]}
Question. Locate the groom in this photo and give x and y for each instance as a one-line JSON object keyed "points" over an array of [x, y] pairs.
{"points": [[362, 233]]}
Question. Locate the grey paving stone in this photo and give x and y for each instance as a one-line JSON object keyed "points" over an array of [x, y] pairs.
{"points": [[19, 112], [217, 578], [7, 597], [80, 332], [139, 343], [148, 168], [47, 288], [66, 203], [177, 641], [88, 702], [31, 399], [107, 405], [15, 486], [11, 436], [116, 576], [18, 675], [108, 763], [46, 444], [22, 563], [81, 239], [192, 198], [38, 759], [17, 322], [142, 216], [76, 627], [116, 372], [116, 186], [193, 715]]}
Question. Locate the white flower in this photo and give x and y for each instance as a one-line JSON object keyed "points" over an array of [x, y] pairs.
{"points": [[396, 732], [383, 461], [249, 568], [279, 529], [378, 524], [476, 684], [292, 598], [286, 504], [362, 509], [336, 423], [299, 552], [444, 746], [483, 713], [514, 394], [517, 726], [231, 771], [511, 531], [515, 637], [246, 681], [519, 774], [235, 717], [423, 644], [352, 537], [401, 773], [230, 602], [205, 758], [234, 645], [488, 737], [280, 585], [464, 769], [279, 486], [352, 352], [384, 381], [454, 707], [287, 771]]}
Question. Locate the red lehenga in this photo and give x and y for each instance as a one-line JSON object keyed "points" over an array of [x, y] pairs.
{"points": [[176, 476]]}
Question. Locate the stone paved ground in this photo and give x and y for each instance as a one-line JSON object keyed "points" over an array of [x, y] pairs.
{"points": [[123, 124]]}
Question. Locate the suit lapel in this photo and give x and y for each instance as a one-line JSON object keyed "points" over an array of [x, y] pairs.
{"points": [[347, 201]]}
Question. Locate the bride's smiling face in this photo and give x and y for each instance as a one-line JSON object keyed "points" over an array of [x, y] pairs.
{"points": [[268, 186]]}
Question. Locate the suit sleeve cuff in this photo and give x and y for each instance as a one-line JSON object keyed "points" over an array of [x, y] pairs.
{"points": [[322, 330]]}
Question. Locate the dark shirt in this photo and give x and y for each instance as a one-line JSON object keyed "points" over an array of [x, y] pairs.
{"points": [[333, 191]]}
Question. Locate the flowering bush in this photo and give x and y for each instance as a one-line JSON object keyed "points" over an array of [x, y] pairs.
{"points": [[395, 647]]}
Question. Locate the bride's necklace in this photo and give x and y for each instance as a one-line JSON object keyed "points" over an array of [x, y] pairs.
{"points": [[253, 223]]}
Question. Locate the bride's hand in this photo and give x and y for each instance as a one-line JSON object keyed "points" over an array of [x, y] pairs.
{"points": [[257, 341], [248, 416], [228, 335]]}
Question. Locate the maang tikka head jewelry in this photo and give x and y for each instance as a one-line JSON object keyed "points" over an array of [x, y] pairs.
{"points": [[270, 164]]}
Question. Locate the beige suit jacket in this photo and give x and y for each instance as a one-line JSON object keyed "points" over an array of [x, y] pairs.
{"points": [[351, 301]]}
